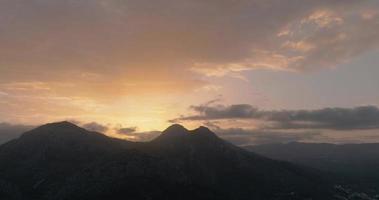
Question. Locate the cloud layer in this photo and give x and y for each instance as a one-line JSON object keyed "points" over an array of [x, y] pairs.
{"points": [[96, 127], [363, 117], [97, 38]]}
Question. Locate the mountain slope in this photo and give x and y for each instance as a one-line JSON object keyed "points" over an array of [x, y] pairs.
{"points": [[358, 162], [45, 156], [346, 158], [63, 161], [239, 174]]}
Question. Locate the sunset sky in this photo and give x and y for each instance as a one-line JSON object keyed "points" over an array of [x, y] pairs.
{"points": [[254, 71]]}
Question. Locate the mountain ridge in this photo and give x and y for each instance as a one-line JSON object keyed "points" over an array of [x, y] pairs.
{"points": [[64, 161]]}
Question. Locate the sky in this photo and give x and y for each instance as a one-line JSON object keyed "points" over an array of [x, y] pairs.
{"points": [[254, 71]]}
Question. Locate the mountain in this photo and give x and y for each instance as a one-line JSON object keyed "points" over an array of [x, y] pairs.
{"points": [[358, 162], [45, 156], [224, 167], [63, 161]]}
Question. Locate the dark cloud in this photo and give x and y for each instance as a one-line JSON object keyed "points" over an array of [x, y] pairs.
{"points": [[141, 136], [12, 131], [133, 134], [210, 112], [362, 117], [94, 126], [127, 131]]}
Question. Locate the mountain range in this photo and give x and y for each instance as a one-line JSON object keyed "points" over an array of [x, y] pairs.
{"points": [[61, 161]]}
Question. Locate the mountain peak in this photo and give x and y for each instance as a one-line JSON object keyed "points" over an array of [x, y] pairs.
{"points": [[63, 127], [60, 124], [176, 129], [177, 132], [204, 132], [202, 129]]}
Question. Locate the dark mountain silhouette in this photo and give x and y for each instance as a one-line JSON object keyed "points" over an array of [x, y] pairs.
{"points": [[222, 166], [63, 161], [48, 154]]}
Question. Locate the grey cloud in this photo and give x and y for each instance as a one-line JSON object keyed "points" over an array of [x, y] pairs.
{"points": [[135, 135], [12, 131], [362, 117], [127, 131], [215, 112], [232, 111], [142, 136], [94, 126]]}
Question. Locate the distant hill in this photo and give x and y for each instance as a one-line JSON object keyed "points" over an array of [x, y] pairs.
{"points": [[63, 161], [359, 162]]}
